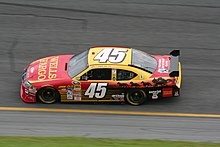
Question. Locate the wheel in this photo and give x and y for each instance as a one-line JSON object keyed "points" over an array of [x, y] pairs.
{"points": [[48, 95], [136, 97]]}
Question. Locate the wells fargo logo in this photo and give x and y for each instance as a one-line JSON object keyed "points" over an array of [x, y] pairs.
{"points": [[167, 92], [52, 69]]}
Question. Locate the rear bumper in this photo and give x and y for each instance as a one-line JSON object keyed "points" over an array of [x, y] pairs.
{"points": [[26, 96], [163, 92]]}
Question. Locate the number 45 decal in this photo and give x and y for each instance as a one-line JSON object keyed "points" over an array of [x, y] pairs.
{"points": [[96, 89], [112, 55]]}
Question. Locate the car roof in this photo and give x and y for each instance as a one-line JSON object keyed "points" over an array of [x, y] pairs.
{"points": [[109, 55]]}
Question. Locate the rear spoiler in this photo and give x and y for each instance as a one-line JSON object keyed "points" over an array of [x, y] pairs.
{"points": [[174, 63]]}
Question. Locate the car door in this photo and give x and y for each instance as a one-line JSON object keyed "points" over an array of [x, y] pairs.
{"points": [[94, 84]]}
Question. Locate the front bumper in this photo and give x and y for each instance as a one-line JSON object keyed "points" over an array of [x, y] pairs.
{"points": [[26, 95]]}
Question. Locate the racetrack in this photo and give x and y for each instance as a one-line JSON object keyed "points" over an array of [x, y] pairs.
{"points": [[33, 29]]}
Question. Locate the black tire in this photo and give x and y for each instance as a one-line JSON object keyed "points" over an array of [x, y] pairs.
{"points": [[136, 97], [48, 95]]}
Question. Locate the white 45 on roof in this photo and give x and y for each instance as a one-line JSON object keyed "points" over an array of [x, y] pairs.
{"points": [[109, 55]]}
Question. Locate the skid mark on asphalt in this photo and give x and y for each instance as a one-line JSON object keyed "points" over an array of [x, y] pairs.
{"points": [[11, 55], [84, 21], [110, 112]]}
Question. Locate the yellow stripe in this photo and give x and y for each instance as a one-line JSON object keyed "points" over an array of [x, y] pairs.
{"points": [[110, 112]]}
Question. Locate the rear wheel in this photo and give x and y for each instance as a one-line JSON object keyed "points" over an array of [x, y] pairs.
{"points": [[136, 97], [48, 95]]}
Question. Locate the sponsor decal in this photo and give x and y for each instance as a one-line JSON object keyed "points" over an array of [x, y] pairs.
{"points": [[167, 92], [76, 82], [26, 91], [163, 66], [176, 93], [77, 96], [69, 86], [114, 74], [30, 97], [32, 70], [163, 70], [77, 88], [61, 87], [42, 69], [69, 94], [52, 69], [33, 90], [118, 96], [113, 71], [155, 93], [27, 73], [77, 78]]}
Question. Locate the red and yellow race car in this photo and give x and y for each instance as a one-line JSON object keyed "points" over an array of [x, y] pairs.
{"points": [[102, 74]]}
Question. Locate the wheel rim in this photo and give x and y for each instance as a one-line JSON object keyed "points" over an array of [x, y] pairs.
{"points": [[136, 96], [48, 95]]}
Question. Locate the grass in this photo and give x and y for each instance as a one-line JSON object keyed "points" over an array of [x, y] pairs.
{"points": [[27, 141]]}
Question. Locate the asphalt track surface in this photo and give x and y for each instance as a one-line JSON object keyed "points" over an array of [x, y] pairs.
{"points": [[33, 29]]}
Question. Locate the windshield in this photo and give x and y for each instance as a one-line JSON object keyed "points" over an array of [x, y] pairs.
{"points": [[78, 63], [144, 61]]}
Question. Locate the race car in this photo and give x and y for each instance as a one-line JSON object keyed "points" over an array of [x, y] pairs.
{"points": [[102, 74]]}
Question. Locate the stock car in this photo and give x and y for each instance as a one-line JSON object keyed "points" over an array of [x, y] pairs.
{"points": [[102, 74]]}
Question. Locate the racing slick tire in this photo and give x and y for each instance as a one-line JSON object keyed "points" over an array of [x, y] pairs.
{"points": [[48, 95], [136, 97]]}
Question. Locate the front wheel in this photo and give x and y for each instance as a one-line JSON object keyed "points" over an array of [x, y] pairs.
{"points": [[136, 97], [48, 95]]}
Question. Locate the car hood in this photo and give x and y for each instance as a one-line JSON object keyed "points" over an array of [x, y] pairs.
{"points": [[48, 68]]}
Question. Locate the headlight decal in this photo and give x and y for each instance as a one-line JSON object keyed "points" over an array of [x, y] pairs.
{"points": [[27, 84], [32, 90]]}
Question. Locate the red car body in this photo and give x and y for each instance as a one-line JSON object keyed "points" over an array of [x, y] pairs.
{"points": [[53, 72]]}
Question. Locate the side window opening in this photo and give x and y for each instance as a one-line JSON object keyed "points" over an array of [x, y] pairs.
{"points": [[125, 75], [97, 74]]}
